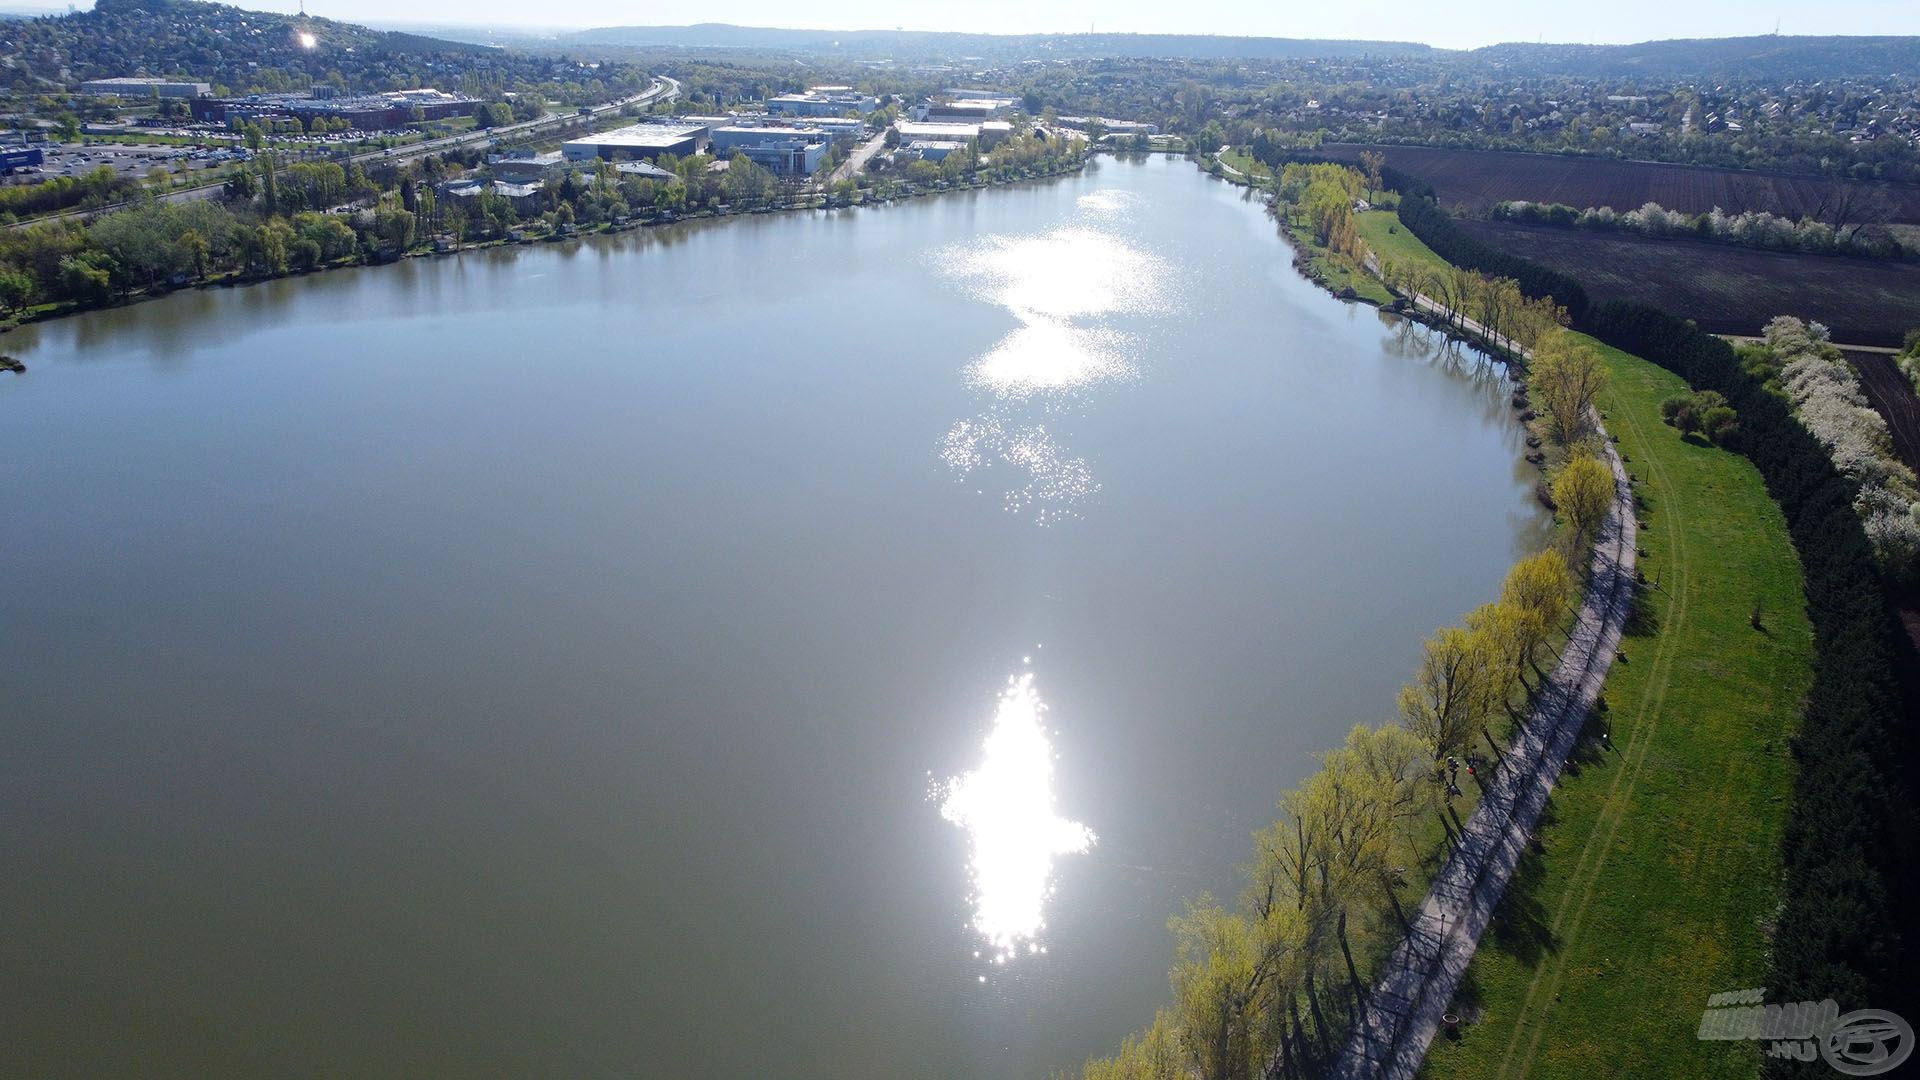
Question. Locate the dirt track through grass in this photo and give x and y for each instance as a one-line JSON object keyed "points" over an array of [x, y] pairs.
{"points": [[1662, 863]]}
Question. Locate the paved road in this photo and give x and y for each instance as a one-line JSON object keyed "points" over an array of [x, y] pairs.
{"points": [[1389, 1039], [852, 166], [663, 88]]}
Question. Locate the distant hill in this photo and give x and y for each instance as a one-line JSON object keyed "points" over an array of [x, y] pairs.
{"points": [[217, 43], [1782, 59], [899, 44], [1772, 58]]}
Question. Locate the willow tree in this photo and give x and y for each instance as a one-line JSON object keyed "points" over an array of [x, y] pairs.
{"points": [[1565, 379], [1364, 798], [1583, 491], [1216, 982], [1445, 704], [1514, 635]]}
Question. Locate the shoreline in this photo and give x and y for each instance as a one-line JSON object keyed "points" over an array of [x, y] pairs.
{"points": [[815, 201]]}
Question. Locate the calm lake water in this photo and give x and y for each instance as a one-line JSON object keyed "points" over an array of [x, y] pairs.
{"points": [[623, 657]]}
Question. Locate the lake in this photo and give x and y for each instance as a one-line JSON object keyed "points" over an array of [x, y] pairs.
{"points": [[816, 645]]}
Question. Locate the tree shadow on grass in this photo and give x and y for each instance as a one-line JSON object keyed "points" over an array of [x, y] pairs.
{"points": [[1643, 614], [1468, 999], [1594, 742], [1519, 927]]}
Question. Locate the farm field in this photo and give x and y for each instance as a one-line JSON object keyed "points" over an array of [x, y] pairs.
{"points": [[1724, 288], [1892, 396], [1477, 179]]}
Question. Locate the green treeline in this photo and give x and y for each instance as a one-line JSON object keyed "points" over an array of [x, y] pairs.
{"points": [[275, 219], [1847, 849], [1851, 821], [96, 187], [1246, 980], [1424, 219], [1273, 978]]}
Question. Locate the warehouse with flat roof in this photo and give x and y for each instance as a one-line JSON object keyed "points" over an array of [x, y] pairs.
{"points": [[131, 86], [639, 142], [988, 133]]}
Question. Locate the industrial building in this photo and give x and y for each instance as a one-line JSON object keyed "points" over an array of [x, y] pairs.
{"points": [[785, 151], [645, 170], [931, 151], [1113, 127], [840, 127], [639, 142], [988, 133], [128, 86], [960, 110], [526, 168], [15, 158], [526, 199], [823, 101], [368, 112]]}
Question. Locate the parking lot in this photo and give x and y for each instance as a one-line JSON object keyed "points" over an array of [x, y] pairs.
{"points": [[129, 160]]}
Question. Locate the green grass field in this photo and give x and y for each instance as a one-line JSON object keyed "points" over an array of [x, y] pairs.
{"points": [[1247, 164], [1660, 862], [1661, 851], [1391, 241]]}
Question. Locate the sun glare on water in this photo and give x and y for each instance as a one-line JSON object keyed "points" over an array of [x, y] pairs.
{"points": [[1006, 807]]}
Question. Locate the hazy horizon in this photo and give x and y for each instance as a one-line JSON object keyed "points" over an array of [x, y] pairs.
{"points": [[1472, 24]]}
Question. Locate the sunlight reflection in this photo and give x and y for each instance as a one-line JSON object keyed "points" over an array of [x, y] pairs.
{"points": [[1049, 481], [1064, 287], [1006, 806], [1049, 281]]}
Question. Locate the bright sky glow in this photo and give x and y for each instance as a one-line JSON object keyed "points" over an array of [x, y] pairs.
{"points": [[1464, 24], [1006, 806]]}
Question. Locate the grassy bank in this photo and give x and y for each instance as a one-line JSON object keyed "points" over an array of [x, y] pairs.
{"points": [[1661, 863], [1659, 868]]}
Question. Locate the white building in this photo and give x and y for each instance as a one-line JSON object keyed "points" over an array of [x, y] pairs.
{"points": [[129, 87], [823, 101], [932, 151], [642, 142], [989, 133]]}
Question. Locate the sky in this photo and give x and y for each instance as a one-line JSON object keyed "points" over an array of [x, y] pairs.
{"points": [[1457, 24]]}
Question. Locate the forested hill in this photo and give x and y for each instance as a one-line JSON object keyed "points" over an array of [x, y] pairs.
{"points": [[902, 44], [1770, 58], [217, 43]]}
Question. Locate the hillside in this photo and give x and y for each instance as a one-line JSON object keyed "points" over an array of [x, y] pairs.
{"points": [[1768, 58], [898, 44], [226, 45]]}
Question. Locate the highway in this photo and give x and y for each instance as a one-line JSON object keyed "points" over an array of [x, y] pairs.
{"points": [[663, 89]]}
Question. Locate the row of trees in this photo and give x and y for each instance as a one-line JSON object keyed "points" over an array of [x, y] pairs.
{"points": [[280, 218], [1755, 229], [95, 187], [1250, 981], [1498, 305], [1824, 390], [1848, 846], [1424, 219]]}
